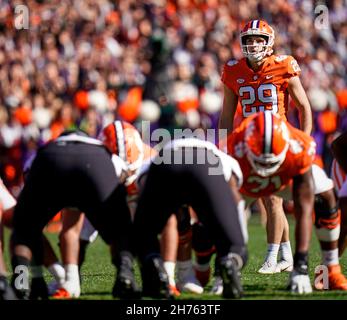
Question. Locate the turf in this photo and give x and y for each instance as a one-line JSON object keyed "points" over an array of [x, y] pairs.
{"points": [[98, 272]]}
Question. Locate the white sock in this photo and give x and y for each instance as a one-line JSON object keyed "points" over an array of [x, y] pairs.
{"points": [[72, 273], [330, 257], [58, 272], [272, 252], [169, 267], [72, 283], [286, 251]]}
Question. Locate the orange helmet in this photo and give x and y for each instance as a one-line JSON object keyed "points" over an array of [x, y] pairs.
{"points": [[266, 142], [122, 138], [257, 28]]}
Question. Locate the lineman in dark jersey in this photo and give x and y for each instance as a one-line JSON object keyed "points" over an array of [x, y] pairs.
{"points": [[74, 170], [191, 172]]}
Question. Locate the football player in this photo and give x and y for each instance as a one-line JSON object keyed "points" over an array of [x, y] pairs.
{"points": [[200, 178], [264, 81], [122, 139], [66, 173], [51, 262], [276, 158]]}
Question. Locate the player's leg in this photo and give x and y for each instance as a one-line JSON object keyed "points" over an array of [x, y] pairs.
{"points": [[303, 197], [113, 221], [156, 204], [168, 250], [28, 248], [216, 208], [340, 183], [327, 223], [286, 256], [342, 194], [186, 279], [259, 205], [37, 205], [6, 292], [52, 263], [7, 203], [72, 220], [87, 236], [274, 230], [243, 205], [204, 249]]}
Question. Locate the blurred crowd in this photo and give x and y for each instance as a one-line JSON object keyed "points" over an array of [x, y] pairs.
{"points": [[83, 63]]}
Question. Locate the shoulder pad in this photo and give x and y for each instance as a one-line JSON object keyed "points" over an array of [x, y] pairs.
{"points": [[281, 57]]}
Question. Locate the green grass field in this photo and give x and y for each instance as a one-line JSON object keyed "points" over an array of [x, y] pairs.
{"points": [[98, 272]]}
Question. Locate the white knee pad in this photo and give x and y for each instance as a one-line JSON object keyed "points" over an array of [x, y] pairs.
{"points": [[322, 182], [328, 235]]}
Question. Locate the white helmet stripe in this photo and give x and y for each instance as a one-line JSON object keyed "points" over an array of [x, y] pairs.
{"points": [[120, 140], [268, 132], [254, 24]]}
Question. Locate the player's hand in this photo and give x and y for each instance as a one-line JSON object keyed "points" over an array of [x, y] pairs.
{"points": [[299, 282], [39, 289]]}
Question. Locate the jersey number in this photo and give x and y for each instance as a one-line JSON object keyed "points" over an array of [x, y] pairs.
{"points": [[264, 182], [247, 104]]}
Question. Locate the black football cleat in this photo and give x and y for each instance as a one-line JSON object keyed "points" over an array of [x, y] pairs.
{"points": [[231, 275], [125, 286], [155, 281], [38, 289]]}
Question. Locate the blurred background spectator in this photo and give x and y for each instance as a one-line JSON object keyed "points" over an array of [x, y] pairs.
{"points": [[83, 63]]}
